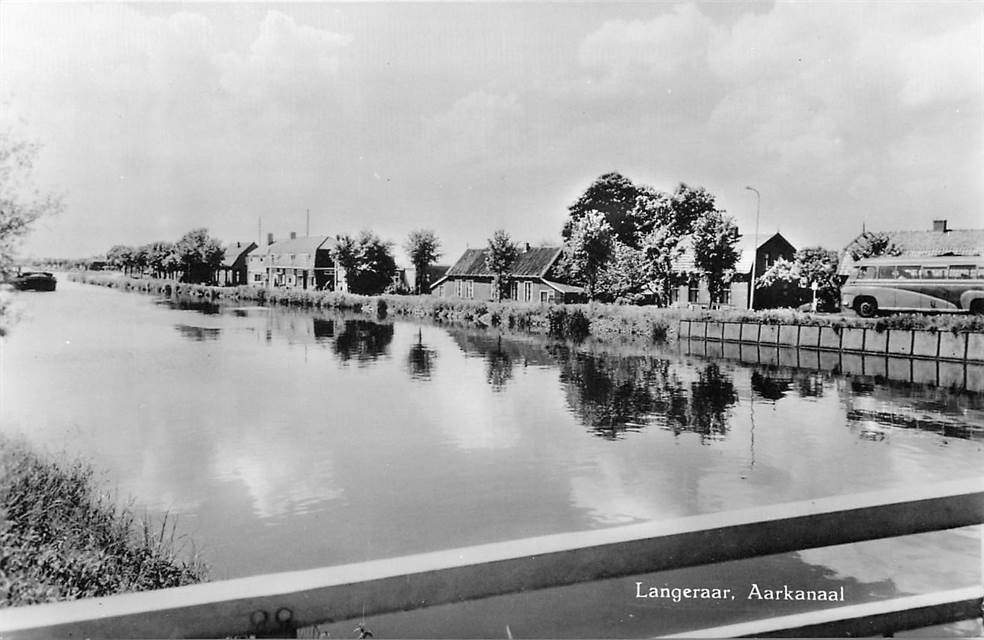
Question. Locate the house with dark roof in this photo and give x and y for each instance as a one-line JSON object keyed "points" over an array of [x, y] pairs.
{"points": [[694, 292], [233, 270], [939, 241], [309, 262], [529, 281]]}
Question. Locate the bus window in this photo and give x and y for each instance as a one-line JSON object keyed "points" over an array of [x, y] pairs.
{"points": [[932, 273], [908, 272], [886, 272], [961, 272], [864, 273]]}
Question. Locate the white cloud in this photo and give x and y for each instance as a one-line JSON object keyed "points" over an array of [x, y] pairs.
{"points": [[286, 62], [479, 125]]}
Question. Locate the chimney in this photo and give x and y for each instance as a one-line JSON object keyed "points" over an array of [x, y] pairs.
{"points": [[526, 247], [293, 235], [940, 225], [269, 239]]}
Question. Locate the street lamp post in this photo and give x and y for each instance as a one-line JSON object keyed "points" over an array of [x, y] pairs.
{"points": [[758, 207]]}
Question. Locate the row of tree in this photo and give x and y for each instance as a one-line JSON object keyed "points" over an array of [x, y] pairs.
{"points": [[194, 258]]}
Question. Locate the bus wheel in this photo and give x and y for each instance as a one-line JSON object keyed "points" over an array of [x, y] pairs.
{"points": [[866, 307]]}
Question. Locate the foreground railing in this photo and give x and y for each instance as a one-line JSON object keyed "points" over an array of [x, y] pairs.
{"points": [[277, 604]]}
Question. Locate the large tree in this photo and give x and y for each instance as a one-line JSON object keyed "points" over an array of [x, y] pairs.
{"points": [[199, 255], [423, 248], [626, 276], [614, 196], [587, 251], [22, 203], [368, 262], [120, 257], [715, 240], [499, 258]]}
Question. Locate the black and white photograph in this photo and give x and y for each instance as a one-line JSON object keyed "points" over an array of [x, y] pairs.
{"points": [[490, 320]]}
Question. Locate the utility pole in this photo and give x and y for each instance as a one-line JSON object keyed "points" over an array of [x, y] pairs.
{"points": [[758, 207], [307, 226]]}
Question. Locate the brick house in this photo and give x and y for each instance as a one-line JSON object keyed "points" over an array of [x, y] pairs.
{"points": [[529, 281]]}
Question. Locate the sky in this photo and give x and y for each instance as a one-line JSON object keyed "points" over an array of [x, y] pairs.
{"points": [[465, 118]]}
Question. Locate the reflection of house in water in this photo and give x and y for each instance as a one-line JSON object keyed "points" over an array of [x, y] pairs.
{"points": [[878, 408]]}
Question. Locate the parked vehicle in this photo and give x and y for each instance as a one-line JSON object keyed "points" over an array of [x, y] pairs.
{"points": [[947, 284], [34, 281]]}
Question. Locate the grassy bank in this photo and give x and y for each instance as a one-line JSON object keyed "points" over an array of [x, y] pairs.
{"points": [[573, 321], [63, 540]]}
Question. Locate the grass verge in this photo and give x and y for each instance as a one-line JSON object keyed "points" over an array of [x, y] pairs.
{"points": [[61, 539]]}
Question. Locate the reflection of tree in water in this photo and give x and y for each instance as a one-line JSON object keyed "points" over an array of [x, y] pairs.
{"points": [[420, 359], [711, 396], [498, 367], [615, 395], [770, 386], [189, 303], [363, 341]]}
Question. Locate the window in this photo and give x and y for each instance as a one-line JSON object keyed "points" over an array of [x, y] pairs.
{"points": [[257, 277], [457, 288], [866, 272], [725, 295], [529, 290], [932, 273], [693, 291], [470, 289], [961, 272], [546, 296], [909, 272]]}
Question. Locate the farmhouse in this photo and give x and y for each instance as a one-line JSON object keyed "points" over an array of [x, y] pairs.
{"points": [[470, 279], [308, 262]]}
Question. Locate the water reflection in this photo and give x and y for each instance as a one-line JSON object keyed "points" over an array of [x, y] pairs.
{"points": [[711, 398], [770, 385], [363, 341], [420, 359], [323, 329], [198, 334], [186, 303]]}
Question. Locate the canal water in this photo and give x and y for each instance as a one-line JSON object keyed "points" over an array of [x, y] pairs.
{"points": [[285, 439]]}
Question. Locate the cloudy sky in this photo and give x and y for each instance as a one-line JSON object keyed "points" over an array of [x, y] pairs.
{"points": [[466, 117]]}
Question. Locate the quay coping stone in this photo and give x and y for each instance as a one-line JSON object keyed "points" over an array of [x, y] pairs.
{"points": [[900, 342], [852, 338], [975, 347], [749, 331], [769, 334], [925, 343], [789, 335], [952, 345], [809, 336], [829, 338], [875, 341], [732, 331]]}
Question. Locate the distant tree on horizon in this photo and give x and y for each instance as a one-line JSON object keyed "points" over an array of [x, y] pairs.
{"points": [[368, 262]]}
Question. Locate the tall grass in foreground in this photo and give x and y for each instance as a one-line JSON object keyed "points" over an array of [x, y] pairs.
{"points": [[61, 539]]}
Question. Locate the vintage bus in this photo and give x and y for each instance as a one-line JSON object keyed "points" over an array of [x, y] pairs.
{"points": [[946, 284]]}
